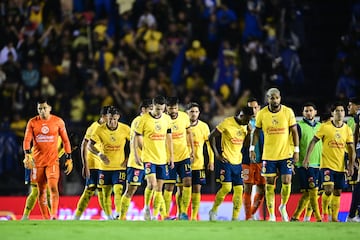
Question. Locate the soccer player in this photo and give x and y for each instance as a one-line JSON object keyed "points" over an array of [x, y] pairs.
{"points": [[90, 168], [252, 169], [335, 136], [200, 134], [233, 131], [135, 171], [354, 111], [309, 184], [183, 157], [109, 143], [153, 136], [42, 132], [34, 192], [278, 124]]}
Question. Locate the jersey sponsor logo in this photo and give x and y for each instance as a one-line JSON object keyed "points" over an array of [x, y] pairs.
{"points": [[274, 130], [177, 135], [335, 144], [44, 138], [236, 141], [157, 136]]}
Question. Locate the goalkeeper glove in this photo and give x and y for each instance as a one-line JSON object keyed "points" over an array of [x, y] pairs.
{"points": [[68, 164], [28, 161]]}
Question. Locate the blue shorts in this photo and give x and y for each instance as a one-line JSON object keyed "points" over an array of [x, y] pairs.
{"points": [[112, 177], [93, 180], [135, 176], [330, 177], [198, 177], [160, 171], [309, 178], [181, 170], [270, 168], [227, 172]]}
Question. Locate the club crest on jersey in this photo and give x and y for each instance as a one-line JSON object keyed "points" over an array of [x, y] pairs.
{"points": [[112, 138], [175, 127], [157, 127], [45, 129], [274, 121]]}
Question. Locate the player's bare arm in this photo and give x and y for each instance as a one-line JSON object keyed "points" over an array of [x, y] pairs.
{"points": [[92, 148]]}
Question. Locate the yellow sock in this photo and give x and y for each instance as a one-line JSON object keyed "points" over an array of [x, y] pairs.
{"points": [[303, 202], [107, 190], [221, 194], [125, 203], [285, 193], [31, 200], [83, 202], [147, 197], [118, 190], [167, 200], [313, 195], [326, 199], [335, 206], [270, 198], [195, 204], [100, 196], [185, 200], [158, 201], [178, 198], [237, 201], [308, 210]]}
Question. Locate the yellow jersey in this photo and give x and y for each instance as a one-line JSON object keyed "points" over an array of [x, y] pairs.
{"points": [[179, 126], [112, 145], [278, 144], [93, 160], [131, 160], [334, 141]]}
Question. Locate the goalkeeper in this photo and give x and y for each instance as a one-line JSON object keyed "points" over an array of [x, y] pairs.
{"points": [[42, 133]]}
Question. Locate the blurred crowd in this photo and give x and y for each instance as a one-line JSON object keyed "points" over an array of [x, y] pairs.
{"points": [[85, 54]]}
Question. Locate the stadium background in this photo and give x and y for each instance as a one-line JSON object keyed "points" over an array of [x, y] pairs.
{"points": [[85, 54]]}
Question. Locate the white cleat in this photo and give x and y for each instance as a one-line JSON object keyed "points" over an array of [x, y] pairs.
{"points": [[147, 214], [283, 212], [354, 219], [272, 218], [307, 219], [212, 215]]}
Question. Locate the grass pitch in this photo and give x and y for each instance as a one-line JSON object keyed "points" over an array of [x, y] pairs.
{"points": [[174, 230]]}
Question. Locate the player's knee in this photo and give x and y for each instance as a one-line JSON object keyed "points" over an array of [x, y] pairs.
{"points": [[226, 187], [187, 182], [169, 187]]}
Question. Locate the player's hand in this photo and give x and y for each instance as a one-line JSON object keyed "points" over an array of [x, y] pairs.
{"points": [[305, 163], [171, 163], [68, 166], [28, 161], [211, 166], [252, 156], [296, 157], [350, 170], [85, 172], [104, 158], [138, 161], [192, 157], [221, 159]]}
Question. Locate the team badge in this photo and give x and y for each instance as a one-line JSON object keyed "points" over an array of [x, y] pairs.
{"points": [[135, 178], [222, 177], [45, 129]]}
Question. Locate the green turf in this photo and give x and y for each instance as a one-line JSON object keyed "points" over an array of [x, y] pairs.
{"points": [[174, 230]]}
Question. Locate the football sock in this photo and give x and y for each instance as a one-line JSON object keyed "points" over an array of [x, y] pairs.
{"points": [[237, 201], [247, 205], [83, 202], [302, 204], [118, 190], [100, 196], [285, 193], [195, 204], [335, 205], [270, 198], [31, 200], [313, 195], [220, 195], [257, 202], [167, 200], [125, 203], [107, 190], [185, 199]]}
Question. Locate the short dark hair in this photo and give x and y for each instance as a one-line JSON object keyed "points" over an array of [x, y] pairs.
{"points": [[171, 101], [113, 111], [309, 104], [146, 103], [104, 110], [42, 100], [159, 100], [249, 111], [252, 99], [192, 104], [355, 100], [335, 105]]}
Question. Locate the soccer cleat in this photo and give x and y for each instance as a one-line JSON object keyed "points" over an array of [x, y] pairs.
{"points": [[183, 216], [307, 219], [293, 219], [147, 214], [170, 218], [283, 212], [354, 219], [25, 217], [255, 217], [212, 215], [272, 218], [76, 217]]}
